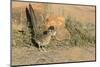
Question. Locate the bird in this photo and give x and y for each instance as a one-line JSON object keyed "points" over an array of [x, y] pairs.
{"points": [[41, 39], [44, 39]]}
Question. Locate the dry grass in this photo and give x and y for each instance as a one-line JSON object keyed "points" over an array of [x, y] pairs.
{"points": [[81, 34], [77, 32]]}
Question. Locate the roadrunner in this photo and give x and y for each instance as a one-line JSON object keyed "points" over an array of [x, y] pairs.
{"points": [[44, 38]]}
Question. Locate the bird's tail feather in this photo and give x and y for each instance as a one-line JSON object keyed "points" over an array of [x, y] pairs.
{"points": [[33, 17]]}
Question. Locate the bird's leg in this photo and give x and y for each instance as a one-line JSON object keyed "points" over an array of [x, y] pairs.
{"points": [[44, 49], [40, 48]]}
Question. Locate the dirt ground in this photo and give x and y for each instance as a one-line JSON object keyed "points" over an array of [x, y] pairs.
{"points": [[26, 56]]}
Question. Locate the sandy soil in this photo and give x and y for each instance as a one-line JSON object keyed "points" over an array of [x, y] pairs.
{"points": [[26, 56]]}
